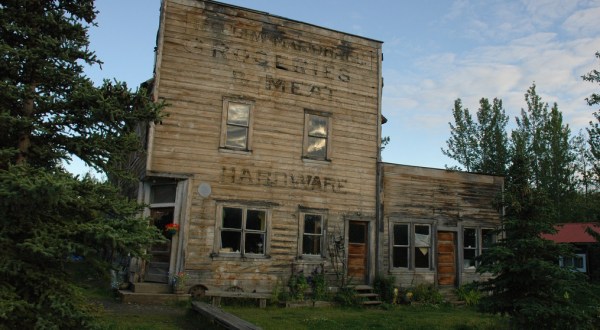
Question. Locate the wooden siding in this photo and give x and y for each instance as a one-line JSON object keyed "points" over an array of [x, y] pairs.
{"points": [[209, 51], [448, 200]]}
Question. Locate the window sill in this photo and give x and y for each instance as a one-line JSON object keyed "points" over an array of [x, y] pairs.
{"points": [[236, 256], [316, 161], [235, 151], [308, 257], [414, 270]]}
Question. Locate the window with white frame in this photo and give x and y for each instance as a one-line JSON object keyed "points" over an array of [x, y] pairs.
{"points": [[312, 240], [243, 230], [236, 127], [317, 135], [411, 245], [475, 242], [575, 262]]}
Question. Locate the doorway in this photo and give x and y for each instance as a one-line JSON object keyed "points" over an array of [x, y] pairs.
{"points": [[446, 258], [358, 247]]}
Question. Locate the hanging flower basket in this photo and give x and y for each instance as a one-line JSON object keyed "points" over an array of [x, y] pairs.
{"points": [[171, 229]]}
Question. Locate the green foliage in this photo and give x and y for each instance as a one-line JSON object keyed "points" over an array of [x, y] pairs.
{"points": [[427, 293], [318, 284], [346, 296], [49, 111], [469, 294], [594, 127], [384, 286], [298, 285], [527, 283]]}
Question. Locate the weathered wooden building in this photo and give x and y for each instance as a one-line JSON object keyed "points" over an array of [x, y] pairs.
{"points": [[271, 147]]}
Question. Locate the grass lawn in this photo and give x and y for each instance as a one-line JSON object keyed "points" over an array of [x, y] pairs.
{"points": [[396, 317]]}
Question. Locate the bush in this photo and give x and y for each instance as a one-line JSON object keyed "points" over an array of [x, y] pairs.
{"points": [[298, 286], [318, 284], [346, 296], [469, 294], [427, 293], [384, 286]]}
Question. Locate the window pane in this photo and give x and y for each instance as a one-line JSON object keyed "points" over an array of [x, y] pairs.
{"points": [[469, 258], [357, 232], [230, 241], [236, 136], [317, 148], [470, 238], [164, 193], [311, 244], [421, 257], [487, 238], [232, 218], [422, 237], [312, 224], [255, 220], [317, 126], [238, 114], [254, 243], [400, 258], [400, 234]]}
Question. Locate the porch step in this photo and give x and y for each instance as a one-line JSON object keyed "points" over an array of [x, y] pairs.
{"points": [[145, 287], [130, 297], [449, 295], [365, 292]]}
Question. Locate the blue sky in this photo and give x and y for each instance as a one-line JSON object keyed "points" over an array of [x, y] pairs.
{"points": [[434, 52]]}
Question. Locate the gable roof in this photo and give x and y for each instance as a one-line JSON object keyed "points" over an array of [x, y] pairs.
{"points": [[573, 233]]}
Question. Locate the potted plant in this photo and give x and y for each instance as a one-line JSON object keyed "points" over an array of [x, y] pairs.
{"points": [[171, 229], [178, 281]]}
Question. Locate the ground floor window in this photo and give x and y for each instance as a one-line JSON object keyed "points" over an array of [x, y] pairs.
{"points": [[576, 262], [475, 242], [311, 240], [242, 230], [411, 245]]}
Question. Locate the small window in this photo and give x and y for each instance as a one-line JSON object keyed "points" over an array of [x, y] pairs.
{"points": [[401, 246], [236, 128], [312, 237], [422, 246], [317, 133], [243, 231], [475, 242]]}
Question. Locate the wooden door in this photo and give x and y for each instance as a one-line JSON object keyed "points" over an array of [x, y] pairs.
{"points": [[446, 258], [157, 268], [358, 248]]}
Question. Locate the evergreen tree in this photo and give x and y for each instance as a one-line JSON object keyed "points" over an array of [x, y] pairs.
{"points": [[462, 144], [492, 138], [527, 283], [49, 111], [594, 128]]}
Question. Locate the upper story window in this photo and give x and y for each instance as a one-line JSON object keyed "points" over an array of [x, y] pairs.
{"points": [[236, 127], [317, 135]]}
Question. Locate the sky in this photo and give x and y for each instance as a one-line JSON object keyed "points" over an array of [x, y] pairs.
{"points": [[435, 51]]}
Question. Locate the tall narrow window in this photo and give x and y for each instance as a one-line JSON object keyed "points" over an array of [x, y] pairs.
{"points": [[236, 128], [422, 246], [317, 133], [243, 230], [469, 247], [312, 236], [401, 246]]}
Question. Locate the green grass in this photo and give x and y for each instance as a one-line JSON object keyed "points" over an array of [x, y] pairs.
{"points": [[397, 317]]}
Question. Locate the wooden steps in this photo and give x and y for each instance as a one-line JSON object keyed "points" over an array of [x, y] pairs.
{"points": [[449, 294], [366, 294]]}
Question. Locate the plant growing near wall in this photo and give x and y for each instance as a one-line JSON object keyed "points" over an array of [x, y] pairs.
{"points": [[384, 286], [298, 285], [337, 254], [318, 283]]}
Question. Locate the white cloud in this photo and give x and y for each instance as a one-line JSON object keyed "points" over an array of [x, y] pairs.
{"points": [[583, 22]]}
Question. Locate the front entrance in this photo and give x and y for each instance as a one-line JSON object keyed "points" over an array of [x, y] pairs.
{"points": [[358, 248], [446, 258]]}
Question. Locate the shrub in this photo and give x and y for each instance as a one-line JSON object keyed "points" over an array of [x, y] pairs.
{"points": [[318, 284], [469, 294], [346, 296], [298, 286], [427, 293], [384, 286]]}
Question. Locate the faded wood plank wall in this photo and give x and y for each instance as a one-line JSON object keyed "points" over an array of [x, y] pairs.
{"points": [[445, 199], [208, 51]]}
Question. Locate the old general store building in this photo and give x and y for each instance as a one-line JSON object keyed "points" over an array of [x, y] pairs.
{"points": [[271, 148]]}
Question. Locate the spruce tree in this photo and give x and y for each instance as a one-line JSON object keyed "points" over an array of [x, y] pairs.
{"points": [[49, 112]]}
